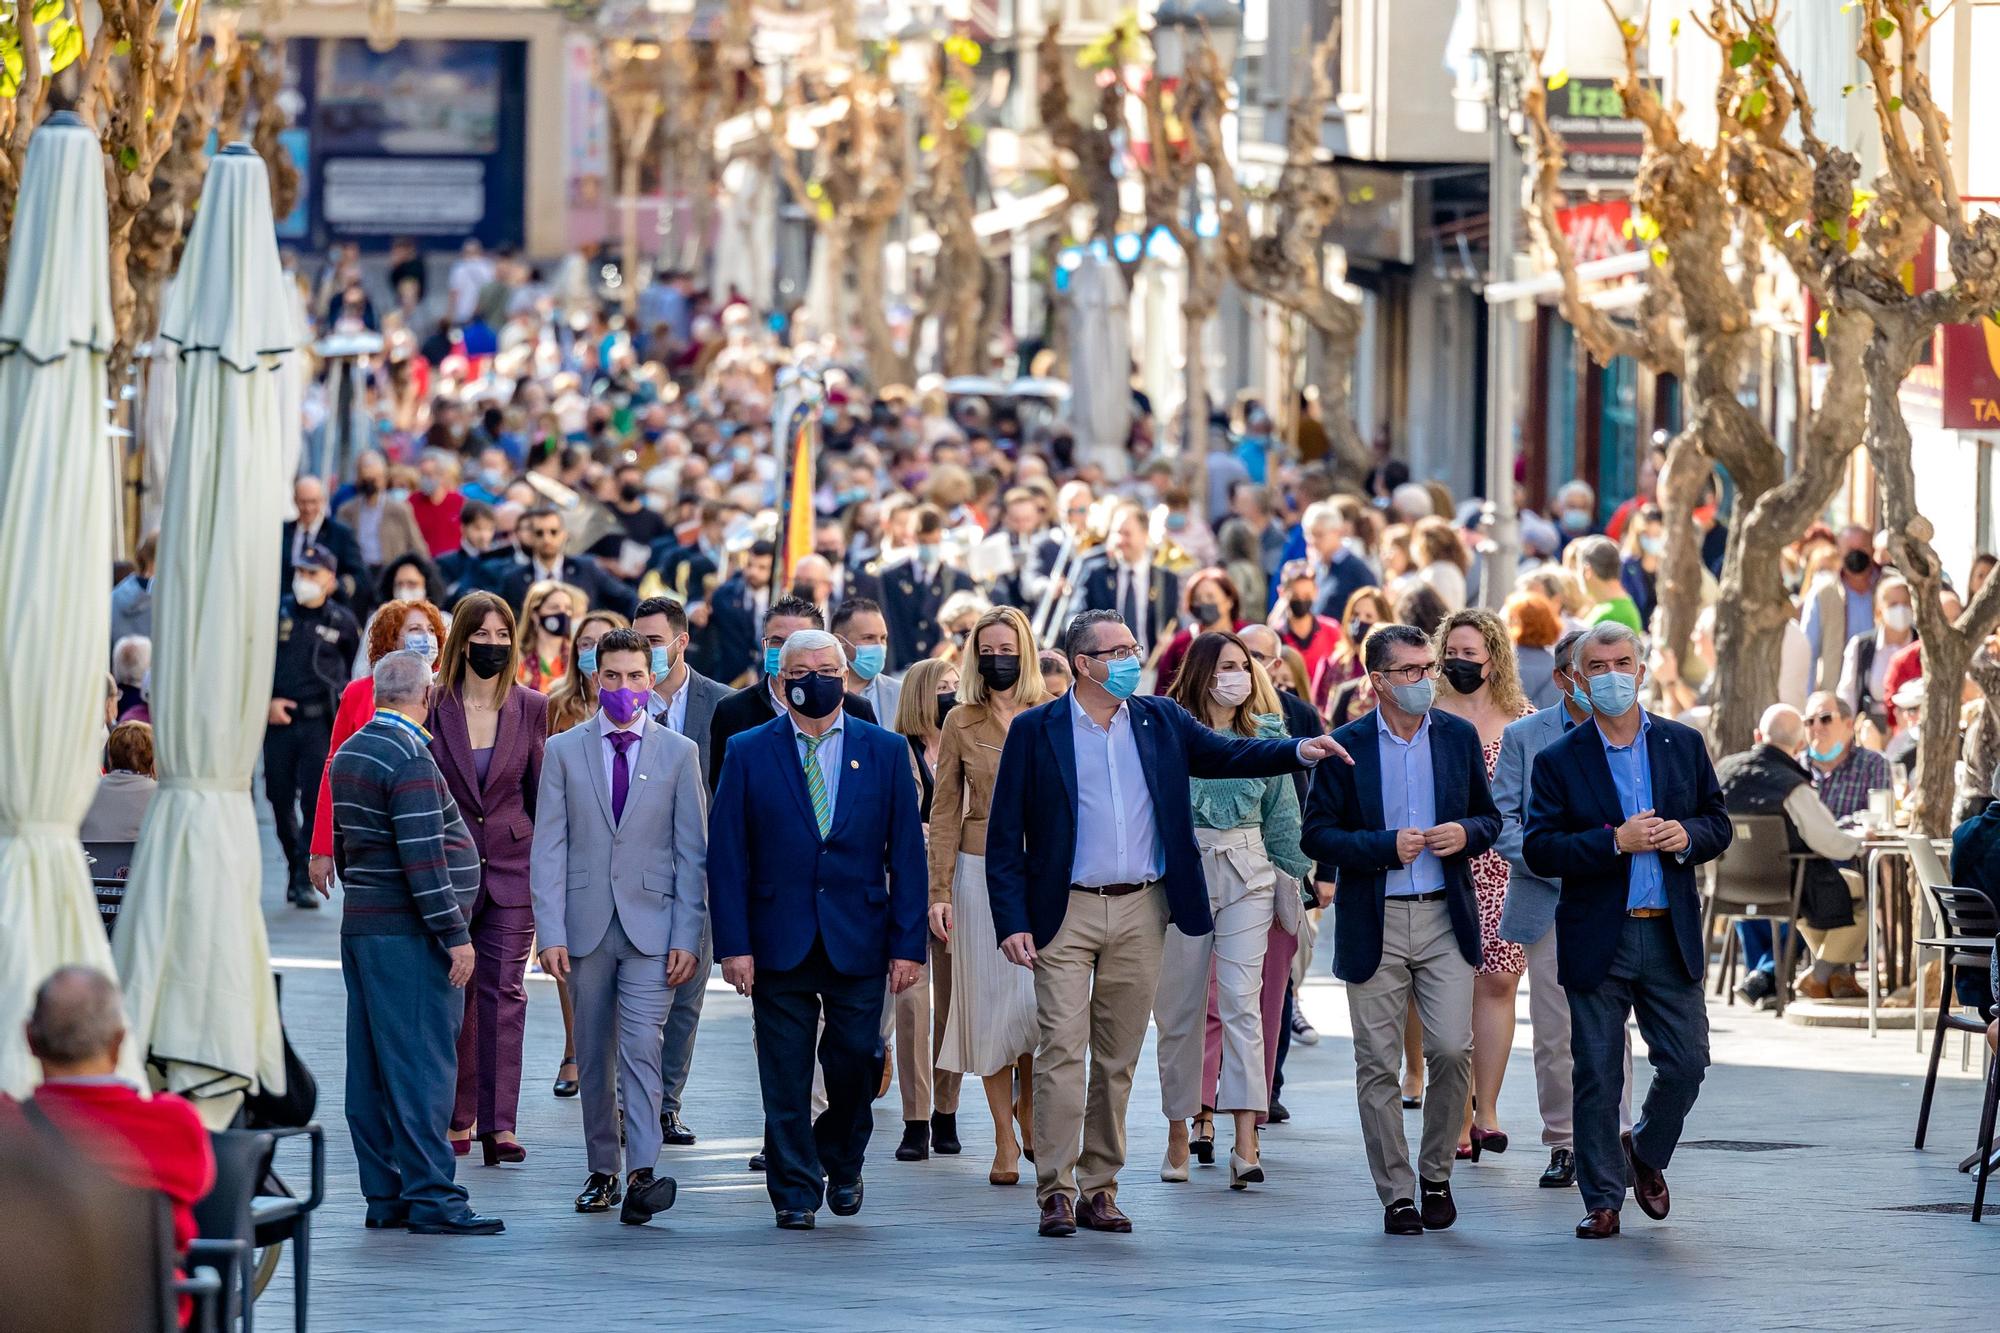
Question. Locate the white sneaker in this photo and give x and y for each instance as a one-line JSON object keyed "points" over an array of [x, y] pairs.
{"points": [[1303, 1032]]}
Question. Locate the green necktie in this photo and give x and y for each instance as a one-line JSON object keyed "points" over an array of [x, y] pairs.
{"points": [[816, 784]]}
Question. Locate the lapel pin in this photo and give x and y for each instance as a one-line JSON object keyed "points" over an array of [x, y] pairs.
{"points": [[854, 763]]}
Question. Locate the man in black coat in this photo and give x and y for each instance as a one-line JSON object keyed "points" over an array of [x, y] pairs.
{"points": [[912, 590], [1122, 578], [315, 527], [463, 568], [754, 704], [542, 533], [725, 625]]}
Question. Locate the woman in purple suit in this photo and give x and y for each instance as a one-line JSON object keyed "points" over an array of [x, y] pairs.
{"points": [[487, 735]]}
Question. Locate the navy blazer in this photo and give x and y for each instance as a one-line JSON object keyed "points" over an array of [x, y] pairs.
{"points": [[1344, 830], [1570, 835], [774, 885], [1031, 829]]}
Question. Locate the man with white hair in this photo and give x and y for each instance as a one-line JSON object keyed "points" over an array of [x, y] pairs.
{"points": [[1576, 510], [131, 661], [819, 887], [1337, 571]]}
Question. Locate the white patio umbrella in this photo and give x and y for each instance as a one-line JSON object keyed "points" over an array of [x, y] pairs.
{"points": [[190, 944], [1100, 363], [58, 520]]}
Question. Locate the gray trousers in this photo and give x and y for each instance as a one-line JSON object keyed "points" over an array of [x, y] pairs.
{"points": [[677, 1037], [1648, 982], [621, 1000], [1420, 958], [403, 1018], [1548, 1018]]}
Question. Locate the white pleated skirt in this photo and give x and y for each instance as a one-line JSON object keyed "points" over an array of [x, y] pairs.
{"points": [[992, 1018]]}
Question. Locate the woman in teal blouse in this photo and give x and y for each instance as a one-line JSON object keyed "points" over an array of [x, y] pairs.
{"points": [[1248, 829]]}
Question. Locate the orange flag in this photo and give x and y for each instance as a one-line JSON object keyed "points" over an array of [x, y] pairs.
{"points": [[798, 499]]}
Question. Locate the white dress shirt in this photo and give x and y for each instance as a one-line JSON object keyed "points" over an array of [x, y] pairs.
{"points": [[671, 713], [1116, 840], [827, 756]]}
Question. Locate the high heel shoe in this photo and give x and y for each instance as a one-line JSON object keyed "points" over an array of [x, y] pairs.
{"points": [[462, 1147], [1010, 1176], [496, 1150], [1174, 1175], [1488, 1140], [565, 1087], [1202, 1144], [1242, 1174], [1468, 1152]]}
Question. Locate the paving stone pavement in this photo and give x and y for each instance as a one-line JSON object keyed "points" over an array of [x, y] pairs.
{"points": [[1801, 1238]]}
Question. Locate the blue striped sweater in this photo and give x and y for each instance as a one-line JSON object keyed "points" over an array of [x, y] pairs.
{"points": [[407, 863]]}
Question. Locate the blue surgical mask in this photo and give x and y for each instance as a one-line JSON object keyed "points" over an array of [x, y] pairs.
{"points": [[493, 479], [1414, 698], [586, 660], [1651, 545], [663, 662], [1575, 520], [1613, 693], [869, 659], [771, 661], [927, 553], [1580, 697], [1826, 756], [1121, 678]]}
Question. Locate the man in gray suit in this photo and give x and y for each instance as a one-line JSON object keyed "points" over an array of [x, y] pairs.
{"points": [[683, 701], [1529, 915], [863, 632], [619, 877]]}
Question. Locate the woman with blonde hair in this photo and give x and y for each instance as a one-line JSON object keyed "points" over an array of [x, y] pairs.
{"points": [[1441, 559], [990, 1028], [1248, 831], [547, 613], [1483, 686]]}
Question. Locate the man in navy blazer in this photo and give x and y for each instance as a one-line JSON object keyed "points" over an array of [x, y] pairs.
{"points": [[1621, 812], [818, 885], [1399, 830], [1090, 852]]}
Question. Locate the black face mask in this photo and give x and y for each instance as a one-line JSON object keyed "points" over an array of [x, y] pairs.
{"points": [[487, 660], [557, 624], [1464, 676], [999, 671], [630, 491], [1206, 614], [815, 696], [1300, 607], [947, 702], [1856, 562], [368, 486]]}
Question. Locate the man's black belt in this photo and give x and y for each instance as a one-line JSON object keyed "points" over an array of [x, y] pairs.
{"points": [[1435, 895], [1107, 890]]}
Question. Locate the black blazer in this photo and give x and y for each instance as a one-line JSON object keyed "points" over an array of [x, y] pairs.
{"points": [[910, 603], [1344, 830], [1098, 584], [1031, 829], [352, 588], [599, 588], [726, 646], [1303, 722], [1569, 835], [750, 707]]}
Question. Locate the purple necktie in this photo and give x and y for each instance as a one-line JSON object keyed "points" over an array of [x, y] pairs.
{"points": [[621, 771]]}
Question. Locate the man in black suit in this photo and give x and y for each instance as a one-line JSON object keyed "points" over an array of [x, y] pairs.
{"points": [[1399, 830], [464, 567], [315, 527], [754, 704], [913, 589], [725, 624], [1122, 578], [542, 534], [688, 569], [1621, 812]]}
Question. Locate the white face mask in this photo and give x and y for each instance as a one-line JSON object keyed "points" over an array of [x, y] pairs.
{"points": [[1898, 618], [1230, 688], [307, 592]]}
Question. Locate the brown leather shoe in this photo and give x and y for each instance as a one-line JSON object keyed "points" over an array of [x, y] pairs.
{"points": [[1601, 1224], [1649, 1186], [1098, 1213], [1843, 986], [1058, 1218], [1812, 988]]}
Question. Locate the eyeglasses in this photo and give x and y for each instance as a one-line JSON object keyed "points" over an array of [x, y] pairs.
{"points": [[1822, 720], [831, 673], [1122, 653], [1409, 675]]}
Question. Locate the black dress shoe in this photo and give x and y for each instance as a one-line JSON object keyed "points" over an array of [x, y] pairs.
{"points": [[565, 1087], [916, 1144], [599, 1193], [465, 1224], [1562, 1170], [844, 1200], [1439, 1211], [793, 1219], [645, 1195], [1277, 1115], [944, 1133], [757, 1162], [1401, 1218], [395, 1223], [674, 1131]]}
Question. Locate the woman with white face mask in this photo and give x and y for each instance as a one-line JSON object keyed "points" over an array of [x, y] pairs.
{"points": [[1248, 830], [1864, 666]]}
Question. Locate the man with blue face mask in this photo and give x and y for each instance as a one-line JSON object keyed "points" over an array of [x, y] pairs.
{"points": [[1398, 832], [863, 632], [914, 589], [1620, 812], [1090, 852]]}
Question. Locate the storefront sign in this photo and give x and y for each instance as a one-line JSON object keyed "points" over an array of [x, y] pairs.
{"points": [[1597, 230], [1601, 144], [1970, 356]]}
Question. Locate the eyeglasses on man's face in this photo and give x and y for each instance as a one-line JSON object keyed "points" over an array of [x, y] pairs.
{"points": [[1123, 652], [800, 673], [1409, 675]]}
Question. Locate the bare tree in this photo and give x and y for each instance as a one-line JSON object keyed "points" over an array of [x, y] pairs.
{"points": [[1171, 174], [1086, 146], [957, 292]]}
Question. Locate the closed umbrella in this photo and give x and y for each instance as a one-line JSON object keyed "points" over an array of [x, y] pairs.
{"points": [[191, 945], [1100, 363], [58, 519]]}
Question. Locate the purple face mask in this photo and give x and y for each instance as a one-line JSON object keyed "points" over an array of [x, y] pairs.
{"points": [[622, 705]]}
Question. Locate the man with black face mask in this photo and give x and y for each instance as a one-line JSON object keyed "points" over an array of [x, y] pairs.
{"points": [[818, 885], [1839, 608]]}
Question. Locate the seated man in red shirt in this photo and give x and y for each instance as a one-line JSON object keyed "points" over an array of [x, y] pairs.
{"points": [[157, 1143]]}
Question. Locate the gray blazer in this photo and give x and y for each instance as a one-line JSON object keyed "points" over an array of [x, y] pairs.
{"points": [[1531, 900], [703, 695], [884, 694], [652, 865]]}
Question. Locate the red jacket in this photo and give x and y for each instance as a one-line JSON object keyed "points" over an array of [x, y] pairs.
{"points": [[357, 708], [438, 519]]}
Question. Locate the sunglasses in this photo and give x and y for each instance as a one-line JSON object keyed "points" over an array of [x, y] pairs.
{"points": [[1822, 720]]}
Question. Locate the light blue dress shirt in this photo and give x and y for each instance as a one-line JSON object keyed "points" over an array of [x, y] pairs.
{"points": [[827, 757], [1116, 839], [1409, 800], [1633, 777]]}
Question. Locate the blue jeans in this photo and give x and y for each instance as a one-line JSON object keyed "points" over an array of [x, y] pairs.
{"points": [[1753, 944]]}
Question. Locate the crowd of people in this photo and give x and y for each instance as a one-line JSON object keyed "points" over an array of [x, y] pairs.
{"points": [[1028, 754]]}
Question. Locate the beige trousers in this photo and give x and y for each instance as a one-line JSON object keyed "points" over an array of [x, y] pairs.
{"points": [[1420, 958], [1842, 944], [1094, 988], [944, 1082], [906, 1020], [1241, 885]]}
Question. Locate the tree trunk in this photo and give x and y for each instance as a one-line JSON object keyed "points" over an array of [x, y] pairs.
{"points": [[1348, 455], [1682, 482], [885, 364]]}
